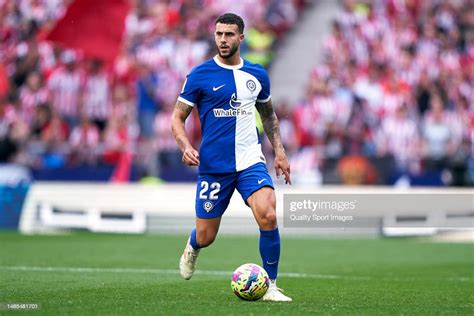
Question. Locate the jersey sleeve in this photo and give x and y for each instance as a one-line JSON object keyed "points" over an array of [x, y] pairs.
{"points": [[190, 92], [264, 95]]}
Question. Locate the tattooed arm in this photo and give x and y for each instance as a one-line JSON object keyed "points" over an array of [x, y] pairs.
{"points": [[180, 114], [272, 129]]}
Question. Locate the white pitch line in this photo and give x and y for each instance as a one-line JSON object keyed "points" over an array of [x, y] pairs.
{"points": [[213, 273], [163, 271]]}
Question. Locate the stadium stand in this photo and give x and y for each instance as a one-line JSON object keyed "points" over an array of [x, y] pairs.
{"points": [[392, 103], [67, 114]]}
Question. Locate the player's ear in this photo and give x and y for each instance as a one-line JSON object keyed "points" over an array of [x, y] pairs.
{"points": [[241, 37]]}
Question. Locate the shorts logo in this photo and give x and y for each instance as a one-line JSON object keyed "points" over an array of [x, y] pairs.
{"points": [[208, 206], [251, 85]]}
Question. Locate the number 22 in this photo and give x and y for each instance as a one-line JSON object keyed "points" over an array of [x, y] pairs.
{"points": [[215, 187]]}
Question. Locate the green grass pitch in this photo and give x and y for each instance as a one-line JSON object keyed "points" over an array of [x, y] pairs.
{"points": [[106, 274]]}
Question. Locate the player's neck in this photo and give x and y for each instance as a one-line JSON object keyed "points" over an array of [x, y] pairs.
{"points": [[234, 60]]}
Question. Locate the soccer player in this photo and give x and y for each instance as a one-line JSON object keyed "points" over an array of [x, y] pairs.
{"points": [[226, 91]]}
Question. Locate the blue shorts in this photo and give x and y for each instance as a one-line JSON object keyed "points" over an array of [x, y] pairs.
{"points": [[214, 190]]}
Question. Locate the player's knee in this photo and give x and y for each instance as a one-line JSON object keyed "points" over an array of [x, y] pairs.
{"points": [[205, 238], [268, 220], [265, 202]]}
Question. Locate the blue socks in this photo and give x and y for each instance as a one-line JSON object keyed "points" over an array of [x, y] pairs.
{"points": [[193, 241], [270, 251]]}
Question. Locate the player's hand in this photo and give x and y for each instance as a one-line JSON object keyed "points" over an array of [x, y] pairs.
{"points": [[282, 166], [190, 157]]}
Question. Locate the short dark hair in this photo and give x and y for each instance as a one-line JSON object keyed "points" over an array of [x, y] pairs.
{"points": [[231, 18]]}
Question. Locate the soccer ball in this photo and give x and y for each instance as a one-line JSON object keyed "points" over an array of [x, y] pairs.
{"points": [[250, 282]]}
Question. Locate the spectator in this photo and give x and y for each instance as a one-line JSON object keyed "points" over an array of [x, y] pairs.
{"points": [[437, 134], [56, 131], [32, 94], [169, 155], [147, 101], [358, 136], [41, 119], [65, 87], [118, 139], [12, 173], [122, 103], [95, 94], [84, 140], [7, 117], [398, 137], [259, 42]]}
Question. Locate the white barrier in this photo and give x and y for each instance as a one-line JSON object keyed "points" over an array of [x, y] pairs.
{"points": [[93, 220], [170, 207]]}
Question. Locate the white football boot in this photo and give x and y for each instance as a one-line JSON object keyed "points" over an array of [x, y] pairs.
{"points": [[275, 294], [187, 262]]}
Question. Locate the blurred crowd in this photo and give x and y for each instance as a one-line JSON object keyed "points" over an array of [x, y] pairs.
{"points": [[59, 109], [393, 101]]}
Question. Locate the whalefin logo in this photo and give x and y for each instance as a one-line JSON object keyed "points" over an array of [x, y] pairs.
{"points": [[234, 103], [235, 109]]}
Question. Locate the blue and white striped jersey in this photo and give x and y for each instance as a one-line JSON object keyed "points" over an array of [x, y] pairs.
{"points": [[225, 97]]}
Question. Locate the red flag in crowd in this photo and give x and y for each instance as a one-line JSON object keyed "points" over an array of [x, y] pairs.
{"points": [[3, 81], [122, 170], [95, 27]]}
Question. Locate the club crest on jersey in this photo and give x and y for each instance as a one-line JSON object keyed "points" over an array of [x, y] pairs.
{"points": [[208, 206], [251, 85]]}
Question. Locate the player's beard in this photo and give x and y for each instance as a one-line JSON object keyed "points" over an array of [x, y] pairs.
{"points": [[230, 54]]}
